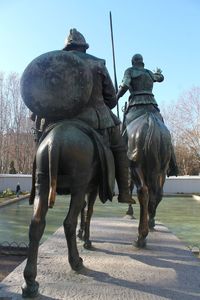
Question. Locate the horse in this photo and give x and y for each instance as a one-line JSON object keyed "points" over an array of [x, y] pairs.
{"points": [[68, 161], [149, 153]]}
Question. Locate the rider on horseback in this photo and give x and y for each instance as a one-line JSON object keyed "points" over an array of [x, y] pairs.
{"points": [[97, 113], [139, 81]]}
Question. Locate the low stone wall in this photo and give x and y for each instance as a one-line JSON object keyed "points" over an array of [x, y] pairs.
{"points": [[173, 185], [10, 181], [179, 185], [182, 185]]}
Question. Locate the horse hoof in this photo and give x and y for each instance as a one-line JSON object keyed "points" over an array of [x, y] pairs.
{"points": [[140, 243], [30, 291], [77, 266], [87, 245]]}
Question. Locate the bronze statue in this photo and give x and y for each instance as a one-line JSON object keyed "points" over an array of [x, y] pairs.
{"points": [[96, 113], [72, 92], [150, 149]]}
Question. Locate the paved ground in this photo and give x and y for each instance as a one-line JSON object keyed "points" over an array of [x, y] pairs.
{"points": [[115, 269], [10, 258], [8, 263]]}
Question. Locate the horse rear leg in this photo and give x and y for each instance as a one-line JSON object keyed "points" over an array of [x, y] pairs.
{"points": [[154, 200], [143, 197], [36, 230], [32, 194], [70, 224], [82, 222], [91, 199], [130, 211]]}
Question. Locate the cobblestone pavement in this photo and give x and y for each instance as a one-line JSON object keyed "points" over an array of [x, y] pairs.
{"points": [[115, 269]]}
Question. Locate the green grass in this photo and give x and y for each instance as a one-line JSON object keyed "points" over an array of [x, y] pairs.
{"points": [[182, 216]]}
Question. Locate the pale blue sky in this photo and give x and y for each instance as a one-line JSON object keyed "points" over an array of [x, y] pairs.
{"points": [[165, 32]]}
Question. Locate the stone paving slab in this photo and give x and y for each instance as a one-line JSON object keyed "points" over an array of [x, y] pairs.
{"points": [[115, 269]]}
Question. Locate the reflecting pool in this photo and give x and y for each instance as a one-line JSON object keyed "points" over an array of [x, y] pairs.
{"points": [[15, 219], [180, 214]]}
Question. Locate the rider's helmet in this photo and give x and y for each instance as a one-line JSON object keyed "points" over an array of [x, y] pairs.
{"points": [[75, 39], [137, 59]]}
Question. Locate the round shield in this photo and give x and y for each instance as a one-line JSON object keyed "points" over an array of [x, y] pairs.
{"points": [[56, 85]]}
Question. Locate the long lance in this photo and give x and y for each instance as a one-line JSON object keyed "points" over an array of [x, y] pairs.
{"points": [[114, 65]]}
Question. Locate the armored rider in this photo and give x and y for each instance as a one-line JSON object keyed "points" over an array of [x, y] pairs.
{"points": [[139, 81], [98, 113]]}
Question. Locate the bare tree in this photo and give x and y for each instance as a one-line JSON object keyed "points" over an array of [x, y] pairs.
{"points": [[183, 120], [16, 140]]}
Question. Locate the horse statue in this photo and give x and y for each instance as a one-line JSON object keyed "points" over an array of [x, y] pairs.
{"points": [[67, 162], [71, 157], [149, 153], [150, 150]]}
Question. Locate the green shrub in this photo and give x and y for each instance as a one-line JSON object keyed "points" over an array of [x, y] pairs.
{"points": [[7, 193]]}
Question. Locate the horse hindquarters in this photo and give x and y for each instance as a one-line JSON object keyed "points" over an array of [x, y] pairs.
{"points": [[64, 160], [137, 131], [159, 154], [148, 149]]}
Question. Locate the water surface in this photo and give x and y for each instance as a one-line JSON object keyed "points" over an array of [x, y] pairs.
{"points": [[15, 219], [180, 214]]}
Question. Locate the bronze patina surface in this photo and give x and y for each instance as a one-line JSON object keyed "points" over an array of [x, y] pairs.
{"points": [[80, 151], [149, 141], [56, 84]]}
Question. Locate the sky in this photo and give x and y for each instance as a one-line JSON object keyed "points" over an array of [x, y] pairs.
{"points": [[166, 33]]}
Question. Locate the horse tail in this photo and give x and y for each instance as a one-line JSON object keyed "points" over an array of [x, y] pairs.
{"points": [[53, 155]]}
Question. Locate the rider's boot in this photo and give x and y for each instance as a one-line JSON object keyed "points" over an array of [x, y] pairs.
{"points": [[122, 177], [119, 150]]}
